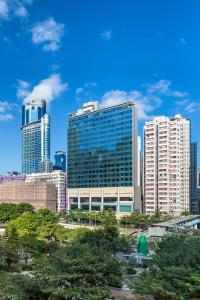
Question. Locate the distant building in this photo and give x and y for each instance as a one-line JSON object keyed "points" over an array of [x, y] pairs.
{"points": [[39, 194], [13, 173], [59, 179], [194, 202], [35, 138], [198, 177], [167, 165], [103, 158], [194, 181], [60, 161], [139, 161], [12, 178]]}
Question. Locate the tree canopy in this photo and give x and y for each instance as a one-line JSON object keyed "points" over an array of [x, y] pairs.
{"points": [[10, 211], [174, 273]]}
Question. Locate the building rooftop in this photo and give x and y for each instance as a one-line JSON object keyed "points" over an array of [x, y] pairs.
{"points": [[92, 107]]}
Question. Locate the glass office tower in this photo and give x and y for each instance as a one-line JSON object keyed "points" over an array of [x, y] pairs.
{"points": [[102, 157], [35, 138], [194, 189], [60, 161], [33, 111]]}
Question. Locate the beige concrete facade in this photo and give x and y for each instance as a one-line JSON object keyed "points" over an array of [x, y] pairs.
{"points": [[39, 194], [120, 199], [59, 179]]}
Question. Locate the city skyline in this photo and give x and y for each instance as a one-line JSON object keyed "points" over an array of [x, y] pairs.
{"points": [[46, 54]]}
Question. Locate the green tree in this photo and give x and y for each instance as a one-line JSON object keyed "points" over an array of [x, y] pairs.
{"points": [[186, 213], [175, 270], [52, 232], [10, 211], [79, 272], [28, 223], [19, 287], [8, 257], [107, 238]]}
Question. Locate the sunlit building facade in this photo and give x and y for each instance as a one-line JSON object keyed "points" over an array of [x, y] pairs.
{"points": [[60, 181], [167, 165], [39, 194], [103, 158], [35, 138]]}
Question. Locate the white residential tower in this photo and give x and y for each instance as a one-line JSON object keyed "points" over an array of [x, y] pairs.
{"points": [[167, 165]]}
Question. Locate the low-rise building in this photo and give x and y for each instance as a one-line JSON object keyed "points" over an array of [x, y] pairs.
{"points": [[40, 194], [59, 179]]}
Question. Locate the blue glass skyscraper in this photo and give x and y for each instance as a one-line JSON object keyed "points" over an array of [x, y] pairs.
{"points": [[35, 138], [102, 157], [60, 161], [33, 111]]}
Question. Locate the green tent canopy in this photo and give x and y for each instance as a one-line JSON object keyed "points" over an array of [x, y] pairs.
{"points": [[143, 246]]}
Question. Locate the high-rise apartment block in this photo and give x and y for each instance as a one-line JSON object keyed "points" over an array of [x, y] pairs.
{"points": [[103, 158], [167, 165], [35, 138]]}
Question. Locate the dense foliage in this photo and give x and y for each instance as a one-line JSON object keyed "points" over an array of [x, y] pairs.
{"points": [[39, 259], [175, 271], [77, 272], [106, 217], [108, 238], [32, 223], [10, 211], [138, 219]]}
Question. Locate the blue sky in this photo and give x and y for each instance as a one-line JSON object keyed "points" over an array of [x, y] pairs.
{"points": [[72, 51]]}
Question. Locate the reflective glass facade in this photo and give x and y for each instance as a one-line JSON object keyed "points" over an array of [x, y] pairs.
{"points": [[60, 160], [33, 111], [35, 138], [101, 147], [31, 148]]}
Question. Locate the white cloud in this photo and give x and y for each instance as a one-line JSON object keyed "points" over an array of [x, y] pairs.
{"points": [[4, 9], [146, 100], [85, 91], [23, 89], [188, 106], [6, 39], [183, 41], [90, 84], [6, 117], [48, 89], [191, 107], [21, 11], [48, 34], [79, 90], [106, 35], [144, 103], [10, 8], [163, 87], [5, 107]]}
